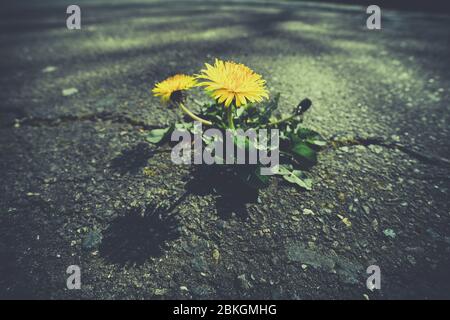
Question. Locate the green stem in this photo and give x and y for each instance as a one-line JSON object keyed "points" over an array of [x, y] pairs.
{"points": [[193, 116], [282, 120], [230, 117]]}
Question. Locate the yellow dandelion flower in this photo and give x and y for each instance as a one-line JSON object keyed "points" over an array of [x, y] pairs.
{"points": [[233, 82], [172, 87]]}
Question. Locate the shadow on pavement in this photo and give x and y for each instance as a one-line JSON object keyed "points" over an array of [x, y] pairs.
{"points": [[137, 236], [133, 159], [233, 194]]}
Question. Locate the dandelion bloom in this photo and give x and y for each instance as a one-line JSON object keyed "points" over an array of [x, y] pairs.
{"points": [[233, 82], [172, 87]]}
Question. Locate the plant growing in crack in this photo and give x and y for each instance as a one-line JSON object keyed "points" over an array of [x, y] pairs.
{"points": [[239, 101]]}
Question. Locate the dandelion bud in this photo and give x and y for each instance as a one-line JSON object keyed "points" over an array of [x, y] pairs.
{"points": [[178, 96], [304, 105]]}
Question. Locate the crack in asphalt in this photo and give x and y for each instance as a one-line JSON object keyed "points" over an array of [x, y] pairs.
{"points": [[93, 117], [382, 142], [334, 143]]}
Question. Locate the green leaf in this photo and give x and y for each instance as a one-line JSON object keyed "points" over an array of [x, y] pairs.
{"points": [[309, 136], [239, 112], [184, 126], [295, 176], [251, 175], [283, 169], [299, 178], [157, 135], [319, 143], [389, 233], [305, 154]]}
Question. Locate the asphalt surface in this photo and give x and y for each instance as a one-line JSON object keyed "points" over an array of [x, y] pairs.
{"points": [[77, 174]]}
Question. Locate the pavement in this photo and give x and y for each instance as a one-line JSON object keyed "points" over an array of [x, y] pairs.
{"points": [[80, 183]]}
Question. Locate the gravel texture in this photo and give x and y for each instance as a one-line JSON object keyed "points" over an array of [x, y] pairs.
{"points": [[79, 182]]}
